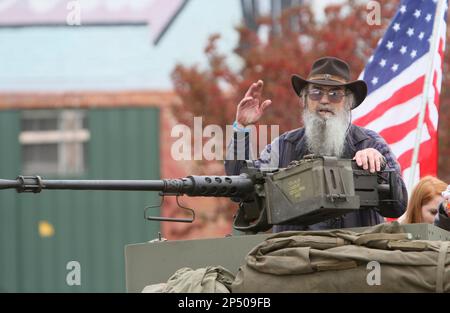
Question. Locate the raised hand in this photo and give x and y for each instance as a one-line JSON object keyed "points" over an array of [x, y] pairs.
{"points": [[251, 107]]}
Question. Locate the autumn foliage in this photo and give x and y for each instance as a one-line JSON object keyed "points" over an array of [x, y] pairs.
{"points": [[293, 42]]}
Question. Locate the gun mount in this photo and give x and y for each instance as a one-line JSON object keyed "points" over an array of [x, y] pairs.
{"points": [[306, 192]]}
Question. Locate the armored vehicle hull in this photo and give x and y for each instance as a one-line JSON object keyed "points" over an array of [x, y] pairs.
{"points": [[154, 262]]}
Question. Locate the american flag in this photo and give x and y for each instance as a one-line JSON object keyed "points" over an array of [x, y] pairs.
{"points": [[396, 75]]}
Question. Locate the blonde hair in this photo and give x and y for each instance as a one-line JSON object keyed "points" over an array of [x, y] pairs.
{"points": [[427, 188]]}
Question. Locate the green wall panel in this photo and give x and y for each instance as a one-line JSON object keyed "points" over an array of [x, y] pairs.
{"points": [[90, 227], [9, 234]]}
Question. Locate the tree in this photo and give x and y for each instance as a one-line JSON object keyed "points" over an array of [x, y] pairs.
{"points": [[214, 92]]}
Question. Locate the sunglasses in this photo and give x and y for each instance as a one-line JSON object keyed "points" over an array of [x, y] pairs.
{"points": [[334, 96]]}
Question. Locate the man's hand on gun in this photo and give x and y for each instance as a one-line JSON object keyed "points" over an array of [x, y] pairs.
{"points": [[370, 159]]}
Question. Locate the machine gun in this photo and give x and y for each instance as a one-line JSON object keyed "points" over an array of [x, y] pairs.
{"points": [[306, 192]]}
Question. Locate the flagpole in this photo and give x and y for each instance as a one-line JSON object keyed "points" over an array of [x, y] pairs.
{"points": [[425, 93]]}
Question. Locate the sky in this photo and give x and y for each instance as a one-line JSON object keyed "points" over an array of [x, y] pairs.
{"points": [[112, 58]]}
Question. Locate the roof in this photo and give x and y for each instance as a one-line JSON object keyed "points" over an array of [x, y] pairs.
{"points": [[90, 99]]}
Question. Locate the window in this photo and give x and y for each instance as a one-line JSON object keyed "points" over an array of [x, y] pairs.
{"points": [[54, 142]]}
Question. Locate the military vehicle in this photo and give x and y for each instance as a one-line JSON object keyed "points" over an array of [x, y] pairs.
{"points": [[308, 191]]}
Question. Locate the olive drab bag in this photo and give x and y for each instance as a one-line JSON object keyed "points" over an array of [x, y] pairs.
{"points": [[382, 259], [210, 279]]}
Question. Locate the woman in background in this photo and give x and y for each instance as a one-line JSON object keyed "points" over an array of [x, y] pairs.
{"points": [[425, 200]]}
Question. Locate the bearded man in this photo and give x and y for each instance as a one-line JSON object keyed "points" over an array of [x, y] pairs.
{"points": [[327, 97]]}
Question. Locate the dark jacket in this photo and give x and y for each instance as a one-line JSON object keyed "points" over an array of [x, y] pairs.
{"points": [[292, 146], [442, 219]]}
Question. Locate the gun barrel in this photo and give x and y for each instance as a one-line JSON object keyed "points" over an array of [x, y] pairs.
{"points": [[7, 183], [124, 185], [206, 186]]}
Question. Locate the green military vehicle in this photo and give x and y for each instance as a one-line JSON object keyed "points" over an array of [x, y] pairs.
{"points": [[306, 192]]}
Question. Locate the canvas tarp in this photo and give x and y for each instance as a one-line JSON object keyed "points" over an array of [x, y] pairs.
{"points": [[381, 259]]}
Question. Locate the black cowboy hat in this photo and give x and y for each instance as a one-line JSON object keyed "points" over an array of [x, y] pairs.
{"points": [[330, 71]]}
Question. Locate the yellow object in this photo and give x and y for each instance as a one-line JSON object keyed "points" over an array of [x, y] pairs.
{"points": [[46, 229]]}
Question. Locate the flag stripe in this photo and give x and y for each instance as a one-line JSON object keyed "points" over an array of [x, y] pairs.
{"points": [[408, 141], [433, 108], [397, 115], [429, 124], [406, 157], [396, 133], [400, 96]]}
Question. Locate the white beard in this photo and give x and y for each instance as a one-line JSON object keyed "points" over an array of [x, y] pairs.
{"points": [[326, 136]]}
